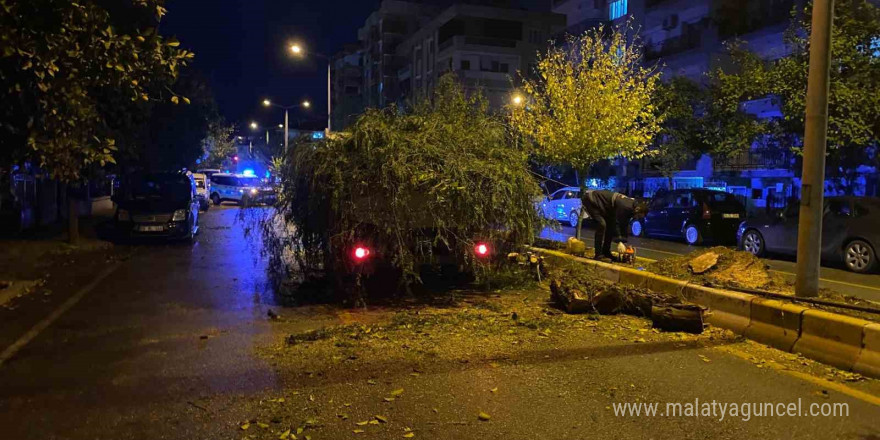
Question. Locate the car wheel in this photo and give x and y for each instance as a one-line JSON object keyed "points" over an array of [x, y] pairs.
{"points": [[215, 198], [692, 235], [573, 219], [859, 257], [636, 229], [753, 243]]}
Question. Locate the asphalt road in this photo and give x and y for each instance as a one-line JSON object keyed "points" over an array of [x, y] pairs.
{"points": [[167, 345], [865, 286]]}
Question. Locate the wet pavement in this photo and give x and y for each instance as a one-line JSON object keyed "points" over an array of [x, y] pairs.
{"points": [[168, 346], [866, 286]]}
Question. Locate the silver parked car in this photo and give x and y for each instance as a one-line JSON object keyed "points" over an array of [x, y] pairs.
{"points": [[563, 206]]}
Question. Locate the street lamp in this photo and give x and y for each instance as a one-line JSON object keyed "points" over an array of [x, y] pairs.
{"points": [[254, 126], [286, 108], [299, 51], [517, 100]]}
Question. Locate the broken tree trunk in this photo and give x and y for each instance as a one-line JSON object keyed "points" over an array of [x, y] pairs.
{"points": [[678, 318]]}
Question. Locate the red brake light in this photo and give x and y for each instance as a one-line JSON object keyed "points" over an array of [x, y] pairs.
{"points": [[361, 253], [707, 213], [481, 249]]}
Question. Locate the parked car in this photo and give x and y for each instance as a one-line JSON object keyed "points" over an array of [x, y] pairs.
{"points": [[157, 205], [241, 189], [849, 232], [203, 188], [563, 206], [696, 215]]}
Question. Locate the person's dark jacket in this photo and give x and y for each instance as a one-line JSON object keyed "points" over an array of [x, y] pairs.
{"points": [[614, 207]]}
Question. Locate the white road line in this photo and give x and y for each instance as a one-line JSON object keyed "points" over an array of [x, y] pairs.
{"points": [[46, 322]]}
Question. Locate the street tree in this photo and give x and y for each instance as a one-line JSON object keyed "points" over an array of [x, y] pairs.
{"points": [[63, 65], [681, 103], [590, 100], [57, 58], [854, 99], [219, 144]]}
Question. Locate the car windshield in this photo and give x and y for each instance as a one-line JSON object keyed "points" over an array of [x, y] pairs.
{"points": [[159, 187], [248, 181]]}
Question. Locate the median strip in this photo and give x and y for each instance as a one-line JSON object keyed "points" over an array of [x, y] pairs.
{"points": [[848, 343]]}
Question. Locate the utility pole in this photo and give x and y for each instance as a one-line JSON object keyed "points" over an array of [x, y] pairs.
{"points": [[815, 137]]}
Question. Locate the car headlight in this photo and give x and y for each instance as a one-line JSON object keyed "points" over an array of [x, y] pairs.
{"points": [[179, 215], [122, 215], [241, 191], [253, 190]]}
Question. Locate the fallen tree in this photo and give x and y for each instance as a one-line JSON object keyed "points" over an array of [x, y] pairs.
{"points": [[412, 188]]}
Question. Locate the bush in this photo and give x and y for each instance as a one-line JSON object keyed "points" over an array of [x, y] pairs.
{"points": [[410, 186]]}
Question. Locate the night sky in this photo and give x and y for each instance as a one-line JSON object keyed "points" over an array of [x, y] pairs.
{"points": [[241, 46]]}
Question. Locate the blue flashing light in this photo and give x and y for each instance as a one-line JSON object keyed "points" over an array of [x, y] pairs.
{"points": [[317, 135], [249, 172]]}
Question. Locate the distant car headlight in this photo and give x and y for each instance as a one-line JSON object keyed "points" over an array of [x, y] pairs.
{"points": [[253, 191], [122, 215], [241, 191], [179, 215]]}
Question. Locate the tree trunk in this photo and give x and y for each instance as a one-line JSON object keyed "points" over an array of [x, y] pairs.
{"points": [[678, 318], [583, 186], [72, 220]]}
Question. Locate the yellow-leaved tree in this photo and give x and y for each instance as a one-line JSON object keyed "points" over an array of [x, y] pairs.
{"points": [[589, 100]]}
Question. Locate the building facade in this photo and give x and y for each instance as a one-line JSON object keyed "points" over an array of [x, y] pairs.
{"points": [[485, 46]]}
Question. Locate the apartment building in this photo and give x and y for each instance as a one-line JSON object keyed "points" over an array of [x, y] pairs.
{"points": [[380, 35], [347, 82], [486, 46]]}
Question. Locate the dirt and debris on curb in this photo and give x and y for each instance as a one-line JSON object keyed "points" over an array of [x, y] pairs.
{"points": [[733, 269], [742, 270]]}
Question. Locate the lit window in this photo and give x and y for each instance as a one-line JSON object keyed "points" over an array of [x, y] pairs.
{"points": [[617, 9]]}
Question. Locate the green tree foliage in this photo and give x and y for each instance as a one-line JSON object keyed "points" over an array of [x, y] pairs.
{"points": [[445, 175], [591, 100], [854, 100], [61, 63], [681, 103], [219, 143]]}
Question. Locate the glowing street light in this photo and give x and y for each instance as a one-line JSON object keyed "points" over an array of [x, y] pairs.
{"points": [[299, 51], [268, 103], [254, 126], [280, 125], [517, 100]]}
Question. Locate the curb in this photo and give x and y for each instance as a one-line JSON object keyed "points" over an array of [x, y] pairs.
{"points": [[831, 338], [775, 323], [868, 362], [845, 342], [730, 310]]}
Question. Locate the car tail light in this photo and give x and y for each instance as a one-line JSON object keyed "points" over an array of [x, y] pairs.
{"points": [[361, 253], [481, 249], [707, 213]]}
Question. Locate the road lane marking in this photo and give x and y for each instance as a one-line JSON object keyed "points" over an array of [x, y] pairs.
{"points": [[840, 388], [845, 283], [47, 321]]}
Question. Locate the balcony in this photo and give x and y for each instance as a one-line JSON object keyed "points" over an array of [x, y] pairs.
{"points": [[691, 38], [757, 159], [460, 40]]}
